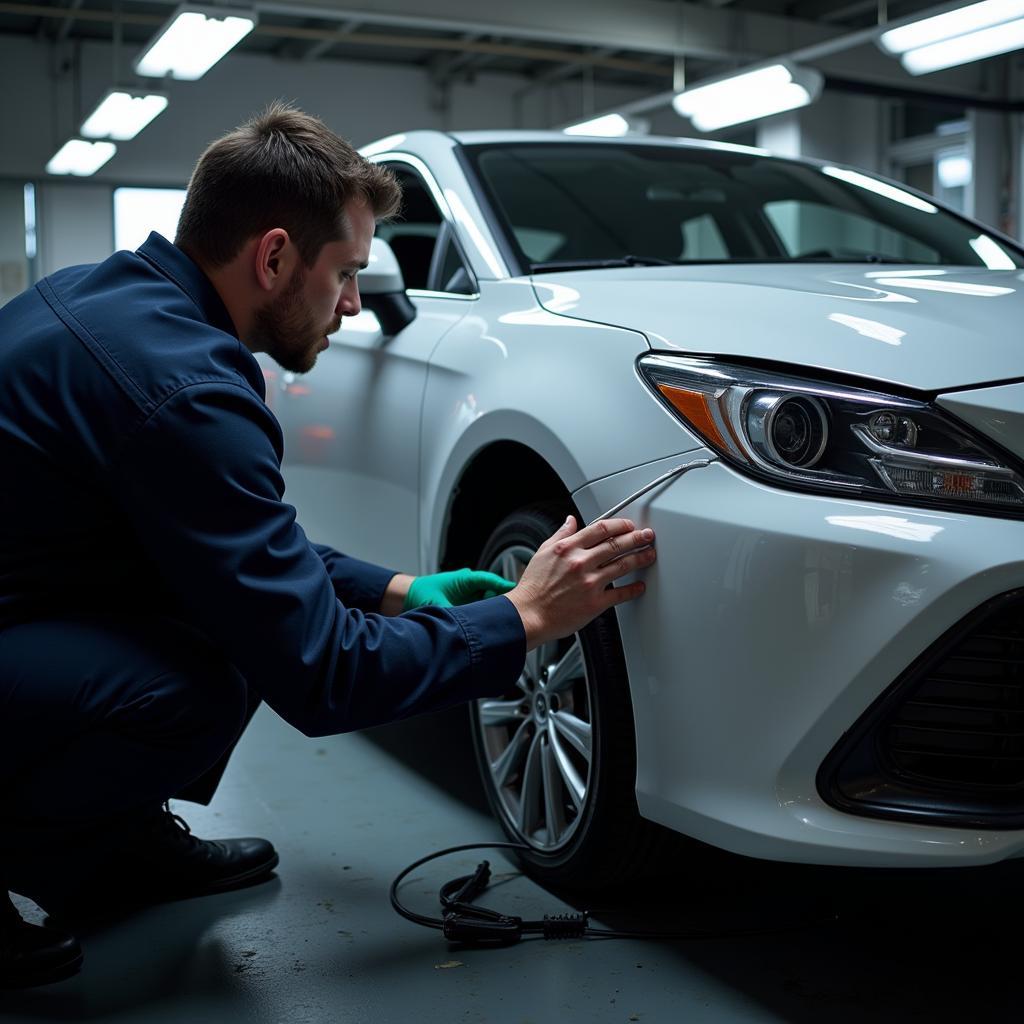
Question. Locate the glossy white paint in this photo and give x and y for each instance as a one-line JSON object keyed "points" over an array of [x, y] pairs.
{"points": [[568, 390], [772, 619], [927, 329], [997, 412], [352, 434]]}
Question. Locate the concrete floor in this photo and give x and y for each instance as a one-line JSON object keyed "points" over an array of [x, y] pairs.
{"points": [[321, 943]]}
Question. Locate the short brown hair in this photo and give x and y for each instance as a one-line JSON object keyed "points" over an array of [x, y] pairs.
{"points": [[281, 169]]}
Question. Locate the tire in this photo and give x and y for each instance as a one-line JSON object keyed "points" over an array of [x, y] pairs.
{"points": [[579, 815]]}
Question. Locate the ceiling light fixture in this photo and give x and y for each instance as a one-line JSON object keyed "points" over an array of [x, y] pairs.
{"points": [[748, 96], [957, 37], [80, 157], [122, 115], [607, 126], [192, 41]]}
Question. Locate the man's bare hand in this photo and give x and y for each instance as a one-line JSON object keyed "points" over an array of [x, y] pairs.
{"points": [[565, 585]]}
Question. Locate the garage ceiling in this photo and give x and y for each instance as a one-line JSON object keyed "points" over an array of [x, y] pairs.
{"points": [[631, 44]]}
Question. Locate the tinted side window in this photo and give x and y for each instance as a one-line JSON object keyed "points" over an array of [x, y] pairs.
{"points": [[421, 242], [413, 234], [453, 276]]}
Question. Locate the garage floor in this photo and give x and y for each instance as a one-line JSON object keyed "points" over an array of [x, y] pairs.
{"points": [[321, 943]]}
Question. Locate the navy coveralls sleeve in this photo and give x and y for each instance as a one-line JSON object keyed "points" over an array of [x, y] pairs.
{"points": [[200, 486], [356, 583], [148, 478]]}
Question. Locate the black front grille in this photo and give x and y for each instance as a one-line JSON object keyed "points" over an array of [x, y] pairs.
{"points": [[947, 741]]}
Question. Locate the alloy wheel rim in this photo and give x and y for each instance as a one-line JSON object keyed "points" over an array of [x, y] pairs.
{"points": [[538, 739]]}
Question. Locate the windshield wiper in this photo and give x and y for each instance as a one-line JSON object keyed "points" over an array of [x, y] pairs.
{"points": [[601, 264], [866, 257]]}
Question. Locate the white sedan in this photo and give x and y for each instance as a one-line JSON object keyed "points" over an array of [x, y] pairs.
{"points": [[828, 663]]}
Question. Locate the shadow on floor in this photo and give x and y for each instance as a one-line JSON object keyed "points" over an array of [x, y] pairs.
{"points": [[117, 980], [808, 944], [438, 747], [940, 944]]}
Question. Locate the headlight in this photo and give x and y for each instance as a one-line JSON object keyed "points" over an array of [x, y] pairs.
{"points": [[806, 434]]}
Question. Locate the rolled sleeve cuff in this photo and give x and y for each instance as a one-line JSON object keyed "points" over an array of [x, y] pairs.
{"points": [[373, 580], [497, 643], [358, 584]]}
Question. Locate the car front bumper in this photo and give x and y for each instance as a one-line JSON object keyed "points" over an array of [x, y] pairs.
{"points": [[772, 622]]}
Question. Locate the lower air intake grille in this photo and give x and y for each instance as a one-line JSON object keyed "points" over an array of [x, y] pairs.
{"points": [[946, 743]]}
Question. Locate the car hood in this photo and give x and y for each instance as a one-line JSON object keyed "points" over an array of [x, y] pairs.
{"points": [[927, 328]]}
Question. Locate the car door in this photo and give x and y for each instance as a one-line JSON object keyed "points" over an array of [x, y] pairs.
{"points": [[352, 425]]}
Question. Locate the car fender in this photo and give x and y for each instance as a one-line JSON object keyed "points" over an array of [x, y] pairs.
{"points": [[566, 389]]}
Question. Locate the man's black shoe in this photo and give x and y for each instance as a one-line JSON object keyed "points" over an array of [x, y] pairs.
{"points": [[33, 955], [158, 859]]}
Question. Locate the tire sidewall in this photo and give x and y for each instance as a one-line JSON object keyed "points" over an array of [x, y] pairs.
{"points": [[610, 703]]}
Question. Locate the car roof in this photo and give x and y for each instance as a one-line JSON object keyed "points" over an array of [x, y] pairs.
{"points": [[470, 138]]}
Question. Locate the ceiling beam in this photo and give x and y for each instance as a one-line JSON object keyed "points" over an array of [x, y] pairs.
{"points": [[560, 73], [646, 26], [649, 26], [320, 48], [65, 26]]}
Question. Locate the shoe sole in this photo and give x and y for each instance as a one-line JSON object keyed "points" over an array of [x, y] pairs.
{"points": [[85, 917], [32, 979], [239, 881]]}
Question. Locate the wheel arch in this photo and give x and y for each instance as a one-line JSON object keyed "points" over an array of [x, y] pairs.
{"points": [[501, 477]]}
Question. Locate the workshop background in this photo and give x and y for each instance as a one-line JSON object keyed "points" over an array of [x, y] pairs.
{"points": [[320, 942]]}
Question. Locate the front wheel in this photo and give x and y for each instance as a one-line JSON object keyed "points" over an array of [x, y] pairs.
{"points": [[557, 753]]}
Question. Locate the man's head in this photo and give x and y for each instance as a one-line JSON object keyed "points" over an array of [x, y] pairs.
{"points": [[280, 213]]}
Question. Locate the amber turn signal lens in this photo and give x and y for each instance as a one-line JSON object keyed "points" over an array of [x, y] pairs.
{"points": [[694, 407]]}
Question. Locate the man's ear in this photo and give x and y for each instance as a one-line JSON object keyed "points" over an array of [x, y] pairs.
{"points": [[274, 255]]}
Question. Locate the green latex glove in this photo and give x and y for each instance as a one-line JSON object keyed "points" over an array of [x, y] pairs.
{"points": [[459, 587]]}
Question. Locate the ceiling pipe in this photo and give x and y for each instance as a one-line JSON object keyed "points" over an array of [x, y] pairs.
{"points": [[805, 54]]}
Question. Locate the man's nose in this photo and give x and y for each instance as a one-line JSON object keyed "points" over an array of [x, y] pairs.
{"points": [[349, 303]]}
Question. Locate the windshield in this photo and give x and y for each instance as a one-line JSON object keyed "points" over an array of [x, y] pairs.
{"points": [[571, 204]]}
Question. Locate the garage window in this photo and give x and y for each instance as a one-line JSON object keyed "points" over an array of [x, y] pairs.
{"points": [[137, 211]]}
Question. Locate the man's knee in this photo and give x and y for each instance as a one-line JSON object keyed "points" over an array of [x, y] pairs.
{"points": [[200, 699]]}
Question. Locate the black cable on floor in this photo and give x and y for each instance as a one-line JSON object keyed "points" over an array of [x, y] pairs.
{"points": [[464, 922]]}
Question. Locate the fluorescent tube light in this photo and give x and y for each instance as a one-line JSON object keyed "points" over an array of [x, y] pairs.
{"points": [[80, 157], [748, 96], [962, 49], [122, 115], [881, 188], [608, 126], [953, 23], [954, 170], [192, 42], [991, 253]]}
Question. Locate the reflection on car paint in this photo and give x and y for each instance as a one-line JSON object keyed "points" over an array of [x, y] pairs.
{"points": [[983, 291], [892, 526], [869, 328]]}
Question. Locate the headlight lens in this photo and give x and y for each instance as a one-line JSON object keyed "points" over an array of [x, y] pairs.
{"points": [[803, 433]]}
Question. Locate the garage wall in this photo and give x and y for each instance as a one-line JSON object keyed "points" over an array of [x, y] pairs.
{"points": [[13, 263], [361, 101], [76, 224], [50, 91]]}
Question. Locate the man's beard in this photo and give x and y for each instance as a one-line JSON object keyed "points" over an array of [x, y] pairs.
{"points": [[285, 328]]}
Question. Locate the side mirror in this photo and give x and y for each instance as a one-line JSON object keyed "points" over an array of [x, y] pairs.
{"points": [[382, 289]]}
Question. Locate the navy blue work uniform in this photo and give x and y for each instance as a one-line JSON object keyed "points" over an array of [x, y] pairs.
{"points": [[154, 585]]}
